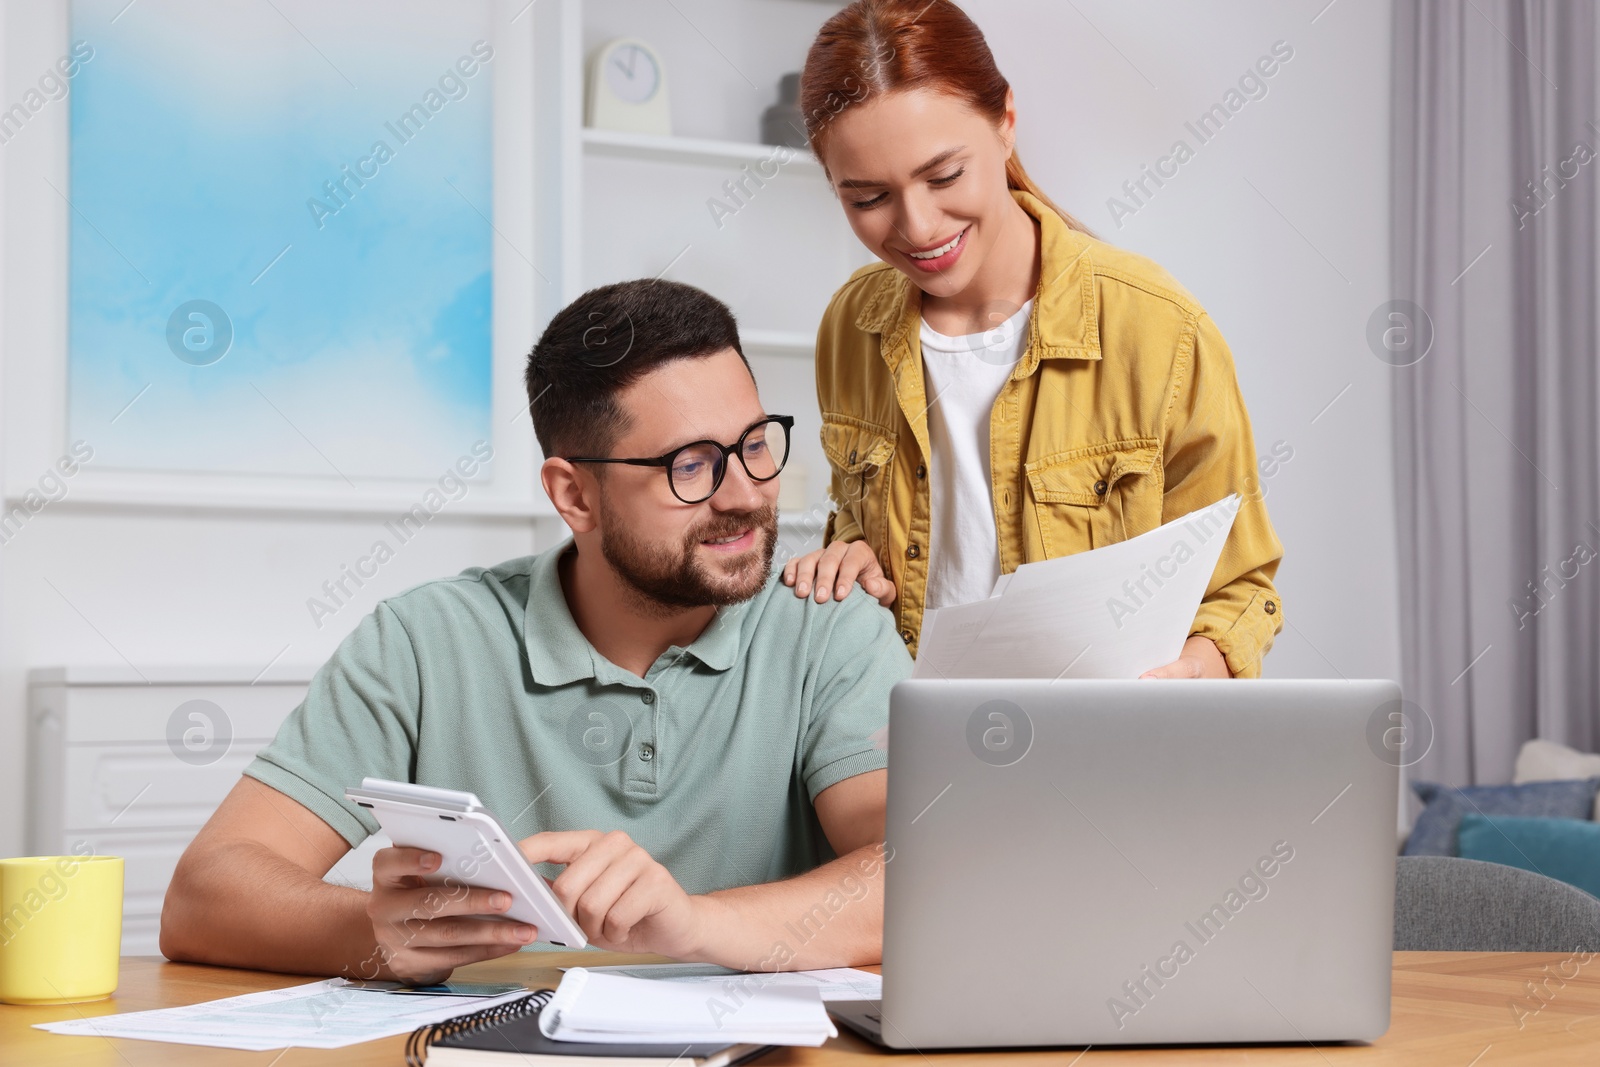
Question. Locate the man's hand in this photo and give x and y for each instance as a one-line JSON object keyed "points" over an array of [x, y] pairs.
{"points": [[426, 931], [833, 570], [624, 900], [1201, 658]]}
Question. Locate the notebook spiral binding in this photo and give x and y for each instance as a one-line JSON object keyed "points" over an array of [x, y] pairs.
{"points": [[423, 1037]]}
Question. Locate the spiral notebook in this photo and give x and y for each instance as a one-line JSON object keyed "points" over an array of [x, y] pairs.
{"points": [[509, 1034]]}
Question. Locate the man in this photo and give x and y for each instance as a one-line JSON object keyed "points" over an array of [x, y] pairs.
{"points": [[688, 744]]}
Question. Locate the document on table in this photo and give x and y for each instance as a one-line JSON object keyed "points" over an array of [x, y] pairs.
{"points": [[1112, 612], [834, 983], [329, 1014]]}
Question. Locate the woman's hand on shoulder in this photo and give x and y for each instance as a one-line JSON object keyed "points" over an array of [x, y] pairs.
{"points": [[832, 571]]}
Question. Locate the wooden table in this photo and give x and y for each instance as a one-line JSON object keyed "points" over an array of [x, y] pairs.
{"points": [[1453, 1009]]}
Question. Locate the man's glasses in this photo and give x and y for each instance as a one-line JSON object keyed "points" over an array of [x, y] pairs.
{"points": [[695, 471]]}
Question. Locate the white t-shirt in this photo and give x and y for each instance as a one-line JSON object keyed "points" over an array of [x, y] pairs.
{"points": [[963, 377]]}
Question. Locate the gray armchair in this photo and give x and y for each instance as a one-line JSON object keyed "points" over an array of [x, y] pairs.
{"points": [[1447, 904]]}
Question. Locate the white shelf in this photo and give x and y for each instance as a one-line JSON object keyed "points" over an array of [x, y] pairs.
{"points": [[175, 492], [173, 674], [696, 151], [796, 343]]}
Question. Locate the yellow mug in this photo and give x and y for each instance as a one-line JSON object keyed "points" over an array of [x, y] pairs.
{"points": [[60, 928]]}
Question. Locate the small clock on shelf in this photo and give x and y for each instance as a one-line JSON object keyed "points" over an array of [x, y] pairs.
{"points": [[628, 89]]}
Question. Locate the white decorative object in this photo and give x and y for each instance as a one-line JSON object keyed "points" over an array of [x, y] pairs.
{"points": [[628, 89], [1547, 761]]}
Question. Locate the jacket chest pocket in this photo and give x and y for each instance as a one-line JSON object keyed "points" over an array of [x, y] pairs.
{"points": [[860, 456], [1095, 496]]}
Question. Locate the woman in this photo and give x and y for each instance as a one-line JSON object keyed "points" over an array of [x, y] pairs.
{"points": [[1003, 387]]}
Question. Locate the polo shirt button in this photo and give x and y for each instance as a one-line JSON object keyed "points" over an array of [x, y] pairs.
{"points": [[647, 752], [922, 471], [648, 697], [1272, 609], [906, 636], [912, 552], [1100, 487]]}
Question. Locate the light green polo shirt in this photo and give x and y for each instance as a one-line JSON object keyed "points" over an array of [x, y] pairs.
{"points": [[711, 761]]}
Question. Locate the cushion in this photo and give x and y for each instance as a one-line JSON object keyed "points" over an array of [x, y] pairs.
{"points": [[1435, 831], [1567, 850], [1546, 761]]}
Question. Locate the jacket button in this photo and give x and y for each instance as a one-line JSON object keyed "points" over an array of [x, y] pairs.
{"points": [[1271, 608], [912, 552], [1100, 487], [852, 455], [906, 636], [922, 471]]}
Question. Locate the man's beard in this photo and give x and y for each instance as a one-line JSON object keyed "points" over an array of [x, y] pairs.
{"points": [[675, 579]]}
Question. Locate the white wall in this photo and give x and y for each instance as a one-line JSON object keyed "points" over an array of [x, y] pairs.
{"points": [[87, 583], [164, 585], [779, 257], [91, 586], [1292, 292], [1279, 225]]}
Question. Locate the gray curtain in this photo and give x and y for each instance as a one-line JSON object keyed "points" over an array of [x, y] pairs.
{"points": [[1496, 426]]}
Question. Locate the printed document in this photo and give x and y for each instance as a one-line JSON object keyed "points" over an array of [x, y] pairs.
{"points": [[328, 1014], [1112, 612]]}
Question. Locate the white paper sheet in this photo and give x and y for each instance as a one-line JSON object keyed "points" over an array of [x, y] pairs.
{"points": [[328, 1014], [1113, 612], [834, 983], [615, 1009]]}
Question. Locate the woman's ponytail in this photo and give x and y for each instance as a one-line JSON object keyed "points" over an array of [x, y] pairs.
{"points": [[1017, 178]]}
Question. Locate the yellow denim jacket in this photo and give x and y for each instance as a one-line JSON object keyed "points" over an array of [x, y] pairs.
{"points": [[1122, 414]]}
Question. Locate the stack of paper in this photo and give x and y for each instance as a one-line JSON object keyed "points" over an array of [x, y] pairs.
{"points": [[614, 1009], [831, 983], [1114, 612]]}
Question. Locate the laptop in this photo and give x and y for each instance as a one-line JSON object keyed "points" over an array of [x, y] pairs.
{"points": [[1077, 863]]}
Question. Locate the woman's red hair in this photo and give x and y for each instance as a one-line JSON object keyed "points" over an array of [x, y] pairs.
{"points": [[882, 46]]}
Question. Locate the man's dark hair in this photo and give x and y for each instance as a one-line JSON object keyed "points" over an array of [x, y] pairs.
{"points": [[606, 340]]}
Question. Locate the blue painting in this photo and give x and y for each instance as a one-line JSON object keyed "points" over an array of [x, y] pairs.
{"points": [[281, 237]]}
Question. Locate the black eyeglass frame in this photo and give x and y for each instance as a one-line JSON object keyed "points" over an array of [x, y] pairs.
{"points": [[737, 448]]}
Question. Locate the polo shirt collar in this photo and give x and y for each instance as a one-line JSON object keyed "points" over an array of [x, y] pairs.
{"points": [[718, 644], [559, 654]]}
